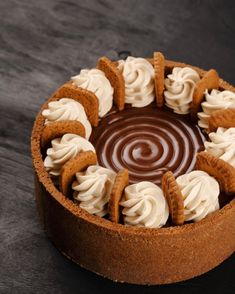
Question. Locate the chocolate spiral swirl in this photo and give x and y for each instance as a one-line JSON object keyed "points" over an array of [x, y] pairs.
{"points": [[148, 142]]}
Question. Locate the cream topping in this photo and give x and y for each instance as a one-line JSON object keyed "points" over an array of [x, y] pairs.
{"points": [[179, 86], [144, 205], [200, 192], [92, 189], [67, 109], [215, 100], [95, 81], [222, 144], [63, 149], [138, 75]]}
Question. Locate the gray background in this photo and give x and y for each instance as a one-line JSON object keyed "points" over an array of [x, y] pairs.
{"points": [[43, 43]]}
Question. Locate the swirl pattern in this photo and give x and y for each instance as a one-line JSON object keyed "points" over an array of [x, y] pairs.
{"points": [[148, 142]]}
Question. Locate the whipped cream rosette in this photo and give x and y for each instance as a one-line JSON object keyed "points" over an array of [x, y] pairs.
{"points": [[200, 194], [222, 144], [179, 86], [92, 189], [144, 205], [215, 100], [95, 81], [63, 149], [138, 75], [67, 109]]}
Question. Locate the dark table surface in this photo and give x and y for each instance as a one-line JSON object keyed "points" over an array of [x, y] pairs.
{"points": [[43, 43]]}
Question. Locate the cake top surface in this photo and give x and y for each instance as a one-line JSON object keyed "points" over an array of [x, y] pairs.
{"points": [[145, 140]]}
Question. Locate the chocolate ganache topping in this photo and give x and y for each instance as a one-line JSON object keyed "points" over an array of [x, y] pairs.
{"points": [[148, 142]]}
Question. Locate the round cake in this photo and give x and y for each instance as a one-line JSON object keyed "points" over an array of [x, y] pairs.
{"points": [[135, 169]]}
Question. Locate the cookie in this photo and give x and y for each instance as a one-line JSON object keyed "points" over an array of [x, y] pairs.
{"points": [[87, 98], [222, 171], [150, 60], [58, 128], [159, 68], [116, 80], [74, 165], [174, 198], [224, 118], [209, 81], [121, 181]]}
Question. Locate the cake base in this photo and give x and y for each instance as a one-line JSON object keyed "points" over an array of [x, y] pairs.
{"points": [[130, 254]]}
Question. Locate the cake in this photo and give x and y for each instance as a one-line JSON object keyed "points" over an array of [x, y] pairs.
{"points": [[135, 169]]}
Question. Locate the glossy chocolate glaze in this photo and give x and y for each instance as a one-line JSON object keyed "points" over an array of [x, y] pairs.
{"points": [[148, 142]]}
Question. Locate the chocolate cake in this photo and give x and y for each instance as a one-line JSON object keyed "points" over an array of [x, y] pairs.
{"points": [[138, 190]]}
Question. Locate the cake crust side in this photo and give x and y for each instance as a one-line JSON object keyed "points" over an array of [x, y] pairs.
{"points": [[112, 253]]}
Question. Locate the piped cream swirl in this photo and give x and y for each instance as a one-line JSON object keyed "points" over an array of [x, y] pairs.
{"points": [[215, 100], [222, 144], [67, 109], [95, 81], [138, 75], [63, 149], [179, 86], [92, 189], [200, 193], [144, 205]]}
